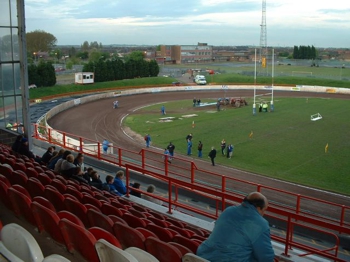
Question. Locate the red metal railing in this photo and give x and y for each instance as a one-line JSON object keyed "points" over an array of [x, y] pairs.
{"points": [[185, 175]]}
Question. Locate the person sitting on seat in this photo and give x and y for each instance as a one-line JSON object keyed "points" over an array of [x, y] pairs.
{"points": [[151, 189], [137, 186]]}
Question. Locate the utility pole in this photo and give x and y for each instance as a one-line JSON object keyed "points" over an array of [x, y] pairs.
{"points": [[263, 40]]}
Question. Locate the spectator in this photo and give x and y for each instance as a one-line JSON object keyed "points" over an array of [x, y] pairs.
{"points": [[105, 145], [200, 148], [223, 146], [230, 150], [119, 183], [212, 155], [54, 159], [240, 233], [78, 175], [24, 148], [67, 167], [189, 137], [151, 189], [16, 145], [59, 162], [171, 149], [148, 140], [108, 186], [95, 180], [87, 174], [79, 160], [166, 156], [189, 147], [137, 186], [47, 155]]}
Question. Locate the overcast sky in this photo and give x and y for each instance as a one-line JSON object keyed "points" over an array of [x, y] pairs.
{"points": [[186, 22]]}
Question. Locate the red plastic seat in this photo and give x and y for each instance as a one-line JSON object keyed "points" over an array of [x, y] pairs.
{"points": [[47, 221], [134, 221], [19, 177], [34, 187], [10, 160], [62, 179], [101, 197], [78, 239], [128, 236], [55, 197], [140, 208], [117, 219], [22, 190], [196, 230], [159, 222], [198, 238], [74, 192], [97, 219], [100, 233], [108, 209], [163, 251], [20, 166], [183, 250], [124, 201], [44, 179], [182, 231], [58, 184], [4, 195], [189, 243], [44, 202], [89, 206], [156, 214], [162, 233], [74, 184], [137, 213], [119, 205], [31, 172], [21, 205], [38, 168], [5, 180], [6, 171], [146, 233], [87, 189], [175, 222], [77, 209], [88, 199], [50, 173], [71, 217]]}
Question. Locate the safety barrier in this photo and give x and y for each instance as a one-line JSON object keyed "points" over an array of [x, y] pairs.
{"points": [[290, 208]]}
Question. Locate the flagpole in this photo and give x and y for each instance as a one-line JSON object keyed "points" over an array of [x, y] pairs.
{"points": [[254, 105], [273, 72]]}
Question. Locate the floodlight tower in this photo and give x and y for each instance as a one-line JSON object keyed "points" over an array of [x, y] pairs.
{"points": [[263, 40]]}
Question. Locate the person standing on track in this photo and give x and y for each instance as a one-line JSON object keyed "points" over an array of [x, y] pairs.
{"points": [[148, 140], [212, 155], [200, 148], [171, 149]]}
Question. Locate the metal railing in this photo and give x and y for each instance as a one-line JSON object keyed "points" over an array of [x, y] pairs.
{"points": [[291, 209]]}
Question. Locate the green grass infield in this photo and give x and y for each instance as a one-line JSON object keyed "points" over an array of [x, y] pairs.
{"points": [[285, 144]]}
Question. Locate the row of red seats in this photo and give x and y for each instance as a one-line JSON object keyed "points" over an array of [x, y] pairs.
{"points": [[132, 224]]}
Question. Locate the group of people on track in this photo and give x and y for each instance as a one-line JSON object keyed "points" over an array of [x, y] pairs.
{"points": [[168, 154]]}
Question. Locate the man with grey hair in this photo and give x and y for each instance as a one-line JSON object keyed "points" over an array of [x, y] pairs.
{"points": [[240, 233]]}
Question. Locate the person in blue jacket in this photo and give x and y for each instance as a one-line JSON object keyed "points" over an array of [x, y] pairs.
{"points": [[105, 145], [119, 183], [240, 234]]}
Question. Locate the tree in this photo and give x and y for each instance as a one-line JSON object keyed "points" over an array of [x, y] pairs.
{"points": [[42, 74], [40, 40], [85, 46], [136, 55]]}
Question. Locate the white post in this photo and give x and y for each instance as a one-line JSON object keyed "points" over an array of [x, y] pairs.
{"points": [[254, 105], [273, 69]]}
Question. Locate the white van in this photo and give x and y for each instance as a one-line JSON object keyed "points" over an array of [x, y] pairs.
{"points": [[200, 80]]}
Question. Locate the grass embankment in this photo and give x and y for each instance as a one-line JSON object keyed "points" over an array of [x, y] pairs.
{"points": [[229, 78], [286, 144], [99, 87]]}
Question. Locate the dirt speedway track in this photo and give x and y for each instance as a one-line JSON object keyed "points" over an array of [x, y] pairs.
{"points": [[98, 120]]}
